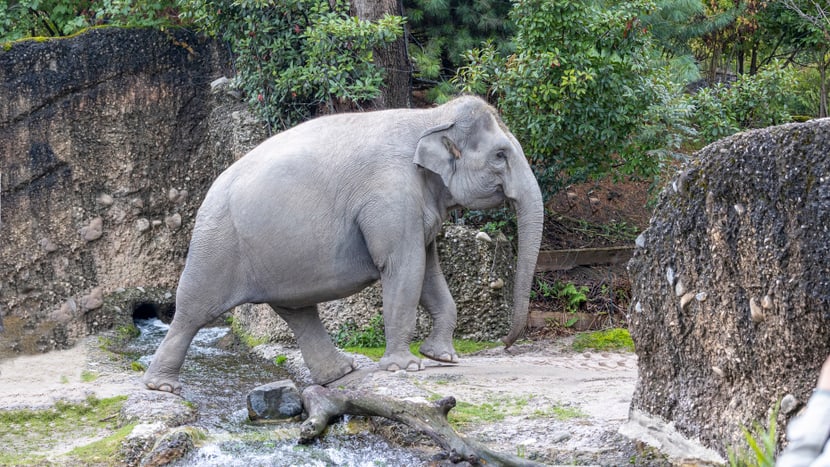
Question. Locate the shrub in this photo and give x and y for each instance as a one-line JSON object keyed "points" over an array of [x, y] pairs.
{"points": [[298, 58]]}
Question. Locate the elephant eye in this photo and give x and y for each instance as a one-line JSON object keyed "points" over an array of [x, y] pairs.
{"points": [[501, 155]]}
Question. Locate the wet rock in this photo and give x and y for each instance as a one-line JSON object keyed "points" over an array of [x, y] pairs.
{"points": [[169, 448], [274, 401]]}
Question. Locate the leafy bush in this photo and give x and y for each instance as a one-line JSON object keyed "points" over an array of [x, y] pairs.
{"points": [[52, 18], [298, 58], [371, 335], [753, 101], [611, 339], [585, 90]]}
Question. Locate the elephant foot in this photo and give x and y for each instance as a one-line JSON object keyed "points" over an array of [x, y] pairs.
{"points": [[337, 368], [400, 361], [445, 353], [170, 385]]}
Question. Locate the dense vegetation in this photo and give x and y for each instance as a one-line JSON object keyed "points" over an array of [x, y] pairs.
{"points": [[591, 87]]}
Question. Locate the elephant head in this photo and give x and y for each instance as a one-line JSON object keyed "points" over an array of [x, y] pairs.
{"points": [[482, 164]]}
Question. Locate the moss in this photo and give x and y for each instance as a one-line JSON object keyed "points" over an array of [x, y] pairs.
{"points": [[611, 339], [560, 412], [104, 451], [27, 435], [249, 340], [88, 376]]}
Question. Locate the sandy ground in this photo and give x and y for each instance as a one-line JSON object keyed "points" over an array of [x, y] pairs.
{"points": [[528, 382]]}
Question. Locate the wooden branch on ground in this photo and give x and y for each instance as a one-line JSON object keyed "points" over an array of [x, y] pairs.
{"points": [[324, 404]]}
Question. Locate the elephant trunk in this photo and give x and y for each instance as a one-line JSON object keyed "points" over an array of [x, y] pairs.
{"points": [[530, 219]]}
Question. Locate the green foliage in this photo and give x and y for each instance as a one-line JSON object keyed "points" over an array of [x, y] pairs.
{"points": [[135, 365], [611, 339], [585, 90], [280, 360], [298, 58], [560, 412], [571, 296], [88, 376], [54, 18], [246, 338], [442, 31], [761, 444], [753, 101], [371, 335], [466, 414]]}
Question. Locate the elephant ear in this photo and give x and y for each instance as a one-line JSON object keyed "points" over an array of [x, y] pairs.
{"points": [[437, 153]]}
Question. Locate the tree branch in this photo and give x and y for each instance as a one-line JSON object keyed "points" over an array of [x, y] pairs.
{"points": [[324, 404]]}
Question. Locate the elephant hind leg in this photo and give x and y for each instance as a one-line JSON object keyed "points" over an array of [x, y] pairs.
{"points": [[325, 362]]}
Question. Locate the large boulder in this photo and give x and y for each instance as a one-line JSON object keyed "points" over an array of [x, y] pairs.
{"points": [[731, 284], [109, 141], [479, 272]]}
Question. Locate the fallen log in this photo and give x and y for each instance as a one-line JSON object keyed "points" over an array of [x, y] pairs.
{"points": [[324, 405]]}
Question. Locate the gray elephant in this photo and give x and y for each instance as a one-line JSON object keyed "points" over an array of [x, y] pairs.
{"points": [[323, 210]]}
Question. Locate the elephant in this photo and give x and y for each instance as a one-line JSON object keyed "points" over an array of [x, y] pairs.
{"points": [[322, 210]]}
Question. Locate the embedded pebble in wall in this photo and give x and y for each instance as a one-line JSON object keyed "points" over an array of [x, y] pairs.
{"points": [[48, 245], [740, 209], [755, 310], [788, 404], [142, 225], [640, 241], [173, 195], [137, 203], [679, 288], [93, 230], [670, 275], [701, 296], [766, 302], [686, 299], [93, 300], [174, 221], [497, 284], [156, 223], [104, 199], [483, 237]]}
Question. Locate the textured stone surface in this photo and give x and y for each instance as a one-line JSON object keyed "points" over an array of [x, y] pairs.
{"points": [[108, 141], [743, 227], [279, 400], [469, 265]]}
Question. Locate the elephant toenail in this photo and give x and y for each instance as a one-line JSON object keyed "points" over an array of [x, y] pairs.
{"points": [[393, 367]]}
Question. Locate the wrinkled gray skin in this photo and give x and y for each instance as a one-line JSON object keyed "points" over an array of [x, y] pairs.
{"points": [[324, 209]]}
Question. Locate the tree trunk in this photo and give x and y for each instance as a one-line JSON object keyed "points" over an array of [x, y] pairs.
{"points": [[396, 89], [324, 404]]}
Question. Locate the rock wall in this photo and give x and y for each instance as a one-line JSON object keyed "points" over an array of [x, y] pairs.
{"points": [[731, 284], [108, 141], [472, 267]]}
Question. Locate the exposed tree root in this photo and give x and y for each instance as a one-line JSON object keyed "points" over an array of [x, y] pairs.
{"points": [[324, 404]]}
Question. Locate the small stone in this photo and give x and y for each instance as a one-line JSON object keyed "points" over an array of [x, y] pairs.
{"points": [[755, 310], [137, 203], [173, 221], [717, 371], [48, 245], [701, 296], [640, 241], [105, 199], [788, 404], [483, 237], [679, 288], [93, 230], [670, 275], [173, 195], [497, 284], [274, 401], [93, 300], [686, 299], [766, 302], [638, 307], [560, 436], [740, 209], [156, 223], [142, 225]]}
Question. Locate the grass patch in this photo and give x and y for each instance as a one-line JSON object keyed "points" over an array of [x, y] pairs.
{"points": [[88, 376], [28, 434], [466, 414], [103, 451], [560, 412], [462, 346], [611, 339]]}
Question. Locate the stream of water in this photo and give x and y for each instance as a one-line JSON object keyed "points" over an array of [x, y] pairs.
{"points": [[218, 380]]}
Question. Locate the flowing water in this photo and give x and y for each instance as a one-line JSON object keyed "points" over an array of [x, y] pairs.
{"points": [[218, 380]]}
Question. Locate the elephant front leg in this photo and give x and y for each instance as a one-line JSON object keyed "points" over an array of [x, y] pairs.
{"points": [[325, 362], [437, 301], [400, 300]]}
